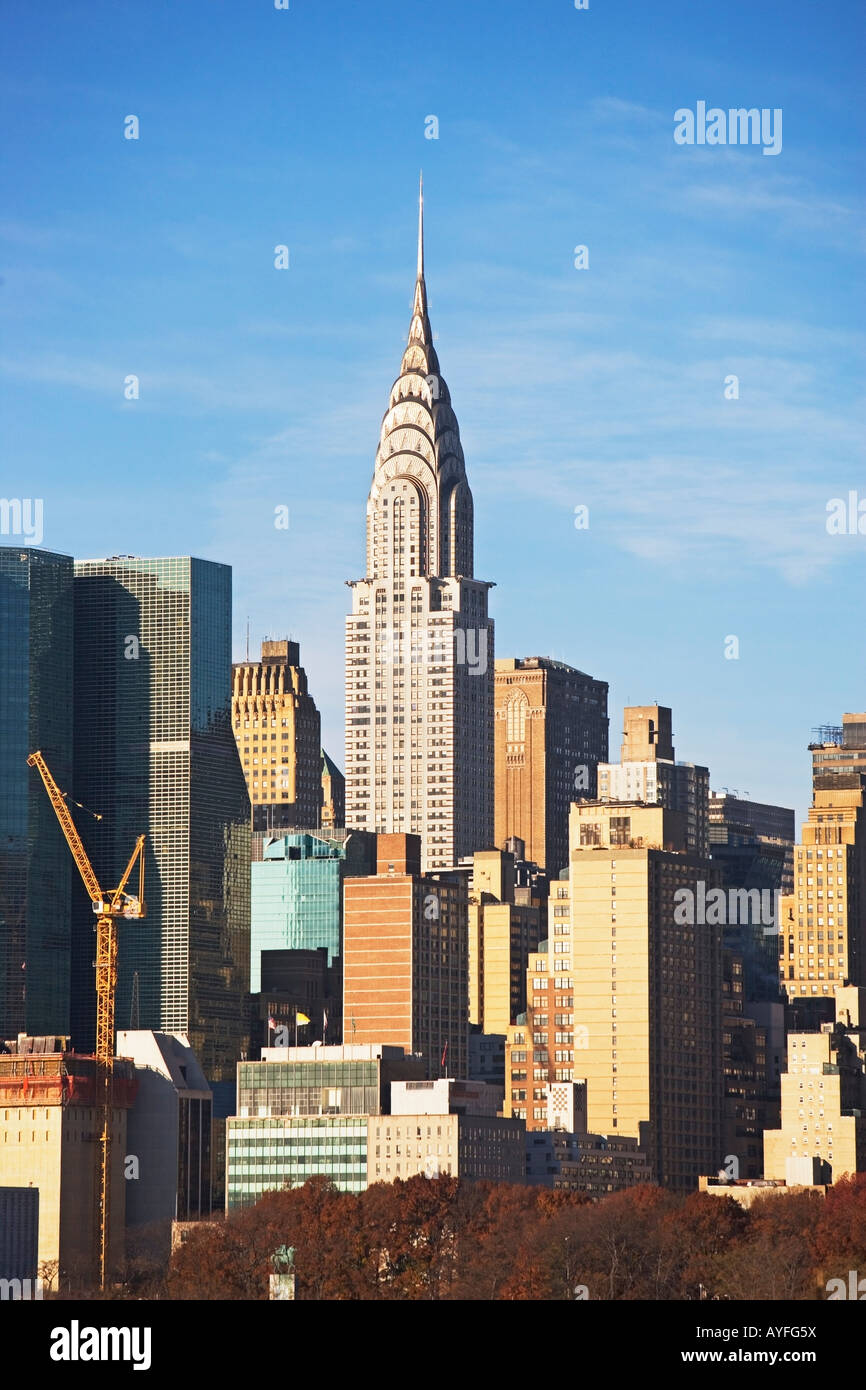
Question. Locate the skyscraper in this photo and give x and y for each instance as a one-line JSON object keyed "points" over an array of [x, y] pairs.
{"points": [[154, 754], [278, 733], [419, 643], [36, 626], [550, 735]]}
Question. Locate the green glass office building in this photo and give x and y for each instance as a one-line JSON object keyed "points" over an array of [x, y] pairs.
{"points": [[297, 893], [36, 631], [155, 754]]}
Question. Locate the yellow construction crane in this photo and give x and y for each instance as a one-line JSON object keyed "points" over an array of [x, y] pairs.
{"points": [[108, 906]]}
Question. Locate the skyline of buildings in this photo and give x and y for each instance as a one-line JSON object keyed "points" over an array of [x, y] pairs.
{"points": [[496, 871], [666, 1104]]}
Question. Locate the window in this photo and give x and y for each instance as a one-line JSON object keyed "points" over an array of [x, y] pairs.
{"points": [[516, 709]]}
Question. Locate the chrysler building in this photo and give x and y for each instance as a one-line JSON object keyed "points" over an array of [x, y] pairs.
{"points": [[419, 643]]}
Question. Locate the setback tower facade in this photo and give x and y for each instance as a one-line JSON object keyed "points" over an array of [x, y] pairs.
{"points": [[419, 643]]}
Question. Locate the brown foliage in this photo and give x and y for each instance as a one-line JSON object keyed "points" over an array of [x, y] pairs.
{"points": [[433, 1239], [840, 1232]]}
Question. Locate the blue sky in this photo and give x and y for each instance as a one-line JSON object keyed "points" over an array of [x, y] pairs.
{"points": [[601, 387]]}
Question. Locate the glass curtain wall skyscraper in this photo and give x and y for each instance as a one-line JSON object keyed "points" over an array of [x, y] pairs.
{"points": [[36, 619], [155, 754]]}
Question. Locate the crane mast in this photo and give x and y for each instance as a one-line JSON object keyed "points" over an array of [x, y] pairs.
{"points": [[108, 907]]}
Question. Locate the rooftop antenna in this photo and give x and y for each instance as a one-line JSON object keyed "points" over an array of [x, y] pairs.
{"points": [[134, 1006], [421, 224], [248, 637]]}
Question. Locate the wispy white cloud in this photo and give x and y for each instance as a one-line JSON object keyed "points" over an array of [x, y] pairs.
{"points": [[611, 108]]}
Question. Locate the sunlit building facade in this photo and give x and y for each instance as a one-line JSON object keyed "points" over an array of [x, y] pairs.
{"points": [[278, 731], [419, 643]]}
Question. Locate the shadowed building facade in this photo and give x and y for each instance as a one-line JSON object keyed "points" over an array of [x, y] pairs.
{"points": [[333, 795], [36, 637], [154, 754]]}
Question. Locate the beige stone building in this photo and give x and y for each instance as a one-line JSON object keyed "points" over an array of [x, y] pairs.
{"points": [[625, 997], [824, 1096], [278, 732], [822, 939], [550, 734], [504, 926], [405, 958], [746, 1191], [49, 1139]]}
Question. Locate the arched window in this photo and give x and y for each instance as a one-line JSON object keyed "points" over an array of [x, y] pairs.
{"points": [[515, 727], [409, 532], [457, 550]]}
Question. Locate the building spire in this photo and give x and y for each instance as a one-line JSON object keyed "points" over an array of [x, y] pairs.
{"points": [[421, 226], [419, 331]]}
